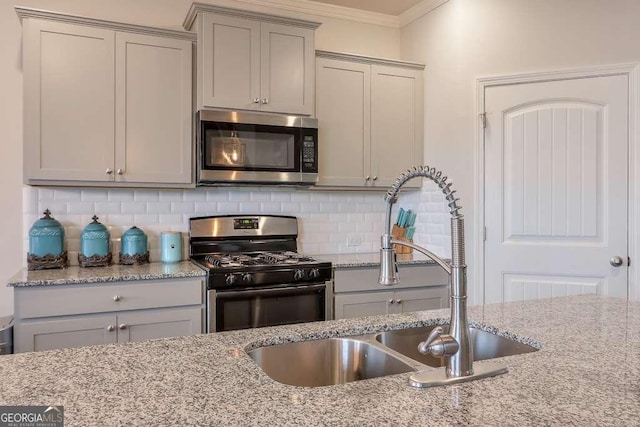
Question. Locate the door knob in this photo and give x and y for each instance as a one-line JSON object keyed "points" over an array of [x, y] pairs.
{"points": [[256, 100], [265, 100], [109, 171], [122, 327], [111, 328], [391, 301], [616, 261], [120, 171]]}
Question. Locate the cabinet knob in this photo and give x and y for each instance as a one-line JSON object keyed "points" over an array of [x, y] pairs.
{"points": [[367, 178], [391, 301], [109, 171], [256, 100], [120, 171], [398, 301], [117, 298], [111, 328], [375, 178], [265, 100], [122, 326]]}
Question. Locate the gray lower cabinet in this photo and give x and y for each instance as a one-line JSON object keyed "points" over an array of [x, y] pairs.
{"points": [[51, 317], [357, 292]]}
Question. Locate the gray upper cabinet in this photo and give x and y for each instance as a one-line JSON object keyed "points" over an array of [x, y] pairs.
{"points": [[105, 103], [251, 61], [370, 118]]}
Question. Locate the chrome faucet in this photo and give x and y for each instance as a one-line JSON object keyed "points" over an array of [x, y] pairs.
{"points": [[455, 346]]}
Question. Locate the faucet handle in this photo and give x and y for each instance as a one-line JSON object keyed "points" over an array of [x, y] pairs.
{"points": [[438, 343]]}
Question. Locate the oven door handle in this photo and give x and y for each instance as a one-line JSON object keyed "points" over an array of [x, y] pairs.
{"points": [[269, 291]]}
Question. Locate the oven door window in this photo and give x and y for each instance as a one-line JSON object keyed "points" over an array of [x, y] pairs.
{"points": [[250, 147], [269, 307]]}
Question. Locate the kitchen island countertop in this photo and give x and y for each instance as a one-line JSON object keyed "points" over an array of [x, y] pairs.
{"points": [[586, 373]]}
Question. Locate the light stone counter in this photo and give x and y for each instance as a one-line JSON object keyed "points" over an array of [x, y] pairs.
{"points": [[370, 259], [76, 275], [587, 373]]}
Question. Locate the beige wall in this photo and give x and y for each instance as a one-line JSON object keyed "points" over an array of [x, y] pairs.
{"points": [[334, 34], [466, 39]]}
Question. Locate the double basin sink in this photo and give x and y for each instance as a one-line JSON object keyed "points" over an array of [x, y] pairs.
{"points": [[334, 361]]}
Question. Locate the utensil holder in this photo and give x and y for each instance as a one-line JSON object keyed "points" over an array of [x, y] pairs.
{"points": [[399, 233]]}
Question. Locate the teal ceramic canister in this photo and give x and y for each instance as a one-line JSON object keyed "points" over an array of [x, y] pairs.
{"points": [[133, 242], [46, 236], [170, 246], [94, 239]]}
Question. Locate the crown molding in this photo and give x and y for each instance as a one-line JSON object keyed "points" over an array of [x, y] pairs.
{"points": [[369, 59], [418, 11], [304, 7], [26, 12], [243, 13]]}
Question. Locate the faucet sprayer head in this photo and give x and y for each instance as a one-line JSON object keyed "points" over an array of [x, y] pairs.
{"points": [[388, 267]]}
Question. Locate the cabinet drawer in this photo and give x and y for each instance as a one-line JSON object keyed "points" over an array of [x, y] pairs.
{"points": [[61, 300], [411, 276]]}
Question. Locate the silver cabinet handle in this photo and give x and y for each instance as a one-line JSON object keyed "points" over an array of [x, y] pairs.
{"points": [[122, 326], [398, 301], [375, 178], [616, 261], [117, 298], [120, 171], [111, 328], [256, 100], [391, 301], [109, 171], [367, 178], [265, 100]]}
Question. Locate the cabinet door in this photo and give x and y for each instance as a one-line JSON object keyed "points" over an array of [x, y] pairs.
{"points": [[68, 101], [229, 62], [287, 69], [396, 123], [343, 109], [153, 109], [68, 332], [348, 306], [421, 299], [160, 323]]}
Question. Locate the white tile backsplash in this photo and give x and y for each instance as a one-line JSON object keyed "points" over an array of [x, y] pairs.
{"points": [[326, 218]]}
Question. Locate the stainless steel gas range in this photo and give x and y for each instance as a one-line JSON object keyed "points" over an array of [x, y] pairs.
{"points": [[256, 277]]}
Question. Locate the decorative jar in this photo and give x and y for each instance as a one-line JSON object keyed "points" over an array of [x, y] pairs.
{"points": [[46, 244], [133, 247], [94, 245]]}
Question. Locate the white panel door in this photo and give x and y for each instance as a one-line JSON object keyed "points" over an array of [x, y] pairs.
{"points": [[556, 178], [69, 99], [153, 109]]}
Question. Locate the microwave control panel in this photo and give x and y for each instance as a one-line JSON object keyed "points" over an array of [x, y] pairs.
{"points": [[309, 154]]}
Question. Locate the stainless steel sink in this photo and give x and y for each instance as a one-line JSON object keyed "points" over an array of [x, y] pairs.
{"points": [[485, 344], [340, 360], [327, 362]]}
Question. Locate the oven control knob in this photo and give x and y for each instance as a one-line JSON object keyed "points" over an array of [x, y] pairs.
{"points": [[230, 279], [247, 278], [314, 273], [298, 275]]}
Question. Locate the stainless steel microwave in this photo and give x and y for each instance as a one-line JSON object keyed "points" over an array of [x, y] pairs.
{"points": [[252, 148]]}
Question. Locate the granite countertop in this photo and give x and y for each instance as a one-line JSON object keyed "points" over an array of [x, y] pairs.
{"points": [[78, 275], [586, 373], [371, 259]]}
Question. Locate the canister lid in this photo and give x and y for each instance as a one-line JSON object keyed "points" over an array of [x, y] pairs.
{"points": [[95, 225], [47, 221], [133, 231]]}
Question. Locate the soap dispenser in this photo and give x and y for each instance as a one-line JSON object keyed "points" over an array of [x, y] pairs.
{"points": [[94, 245], [46, 244]]}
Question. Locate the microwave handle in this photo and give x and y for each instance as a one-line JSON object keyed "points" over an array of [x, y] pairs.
{"points": [[269, 291]]}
